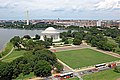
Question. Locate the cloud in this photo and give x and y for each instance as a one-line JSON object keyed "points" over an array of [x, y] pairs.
{"points": [[108, 5], [59, 5], [59, 8], [46, 4]]}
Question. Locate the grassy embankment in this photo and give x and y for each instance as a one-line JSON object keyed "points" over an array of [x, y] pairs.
{"points": [[73, 78], [7, 49], [15, 54], [25, 77], [103, 75]]}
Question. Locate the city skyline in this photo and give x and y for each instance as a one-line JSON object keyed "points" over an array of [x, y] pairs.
{"points": [[63, 9]]}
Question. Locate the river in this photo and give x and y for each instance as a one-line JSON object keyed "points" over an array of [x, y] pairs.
{"points": [[7, 34]]}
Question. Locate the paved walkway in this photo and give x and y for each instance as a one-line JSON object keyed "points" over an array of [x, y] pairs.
{"points": [[7, 54]]}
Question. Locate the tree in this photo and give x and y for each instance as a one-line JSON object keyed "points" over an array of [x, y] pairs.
{"points": [[17, 66], [6, 71], [101, 45], [77, 41], [16, 41], [47, 41], [27, 37], [117, 39], [109, 46], [94, 31], [63, 34], [37, 37], [42, 69], [66, 42], [64, 39], [26, 69], [30, 44], [88, 37], [78, 35], [45, 55], [59, 67], [69, 33], [94, 42]]}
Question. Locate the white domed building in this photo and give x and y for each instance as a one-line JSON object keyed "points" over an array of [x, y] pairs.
{"points": [[51, 32]]}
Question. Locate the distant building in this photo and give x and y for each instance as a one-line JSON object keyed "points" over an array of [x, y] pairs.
{"points": [[110, 23], [80, 23], [99, 23], [51, 32]]}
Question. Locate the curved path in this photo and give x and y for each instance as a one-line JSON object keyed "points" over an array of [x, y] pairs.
{"points": [[7, 54]]}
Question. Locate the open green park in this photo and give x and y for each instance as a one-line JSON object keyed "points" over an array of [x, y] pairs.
{"points": [[75, 59], [15, 54], [7, 49], [103, 75], [84, 57], [73, 78]]}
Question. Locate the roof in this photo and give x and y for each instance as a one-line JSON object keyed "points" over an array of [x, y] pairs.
{"points": [[50, 30]]}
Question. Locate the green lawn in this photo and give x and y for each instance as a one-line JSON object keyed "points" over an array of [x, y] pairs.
{"points": [[25, 77], [73, 78], [15, 54], [103, 75], [84, 57], [7, 49]]}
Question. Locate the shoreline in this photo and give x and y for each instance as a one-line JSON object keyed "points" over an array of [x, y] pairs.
{"points": [[3, 48]]}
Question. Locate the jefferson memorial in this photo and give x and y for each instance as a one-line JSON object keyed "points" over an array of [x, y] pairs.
{"points": [[50, 32]]}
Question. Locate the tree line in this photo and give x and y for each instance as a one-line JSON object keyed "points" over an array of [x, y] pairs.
{"points": [[96, 37], [37, 59]]}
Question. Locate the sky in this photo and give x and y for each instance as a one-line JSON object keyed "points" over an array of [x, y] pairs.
{"points": [[63, 9]]}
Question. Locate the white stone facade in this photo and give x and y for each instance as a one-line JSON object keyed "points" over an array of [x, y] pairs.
{"points": [[51, 32]]}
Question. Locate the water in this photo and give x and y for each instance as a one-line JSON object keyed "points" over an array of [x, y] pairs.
{"points": [[7, 34]]}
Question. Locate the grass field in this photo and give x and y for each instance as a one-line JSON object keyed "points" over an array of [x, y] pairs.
{"points": [[15, 54], [103, 75], [73, 78], [7, 49], [25, 77], [84, 57]]}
